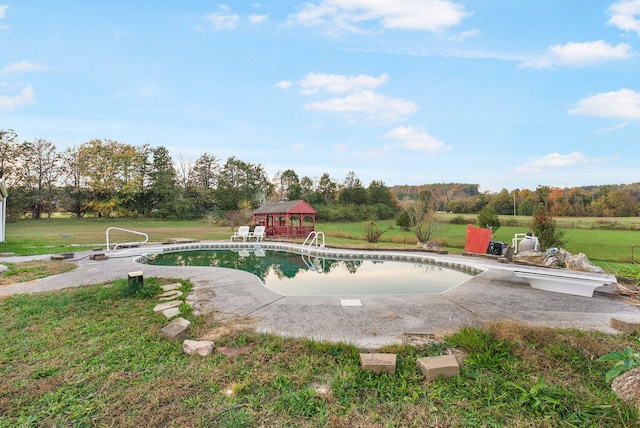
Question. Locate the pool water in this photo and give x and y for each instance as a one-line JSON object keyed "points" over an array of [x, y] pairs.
{"points": [[291, 274]]}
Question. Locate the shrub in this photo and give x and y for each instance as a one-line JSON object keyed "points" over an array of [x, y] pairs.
{"points": [[459, 219], [545, 228], [487, 218], [404, 221], [372, 232]]}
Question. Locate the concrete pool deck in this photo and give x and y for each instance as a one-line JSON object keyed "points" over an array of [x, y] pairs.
{"points": [[235, 296]]}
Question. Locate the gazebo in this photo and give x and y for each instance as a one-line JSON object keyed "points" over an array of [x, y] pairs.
{"points": [[286, 219], [3, 208]]}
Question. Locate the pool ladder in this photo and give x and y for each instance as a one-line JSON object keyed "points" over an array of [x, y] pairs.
{"points": [[126, 244], [313, 241]]}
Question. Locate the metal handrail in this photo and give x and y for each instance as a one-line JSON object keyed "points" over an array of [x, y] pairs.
{"points": [[313, 237], [146, 238]]}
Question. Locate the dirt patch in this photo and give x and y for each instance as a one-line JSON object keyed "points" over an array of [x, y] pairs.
{"points": [[229, 328], [32, 270]]}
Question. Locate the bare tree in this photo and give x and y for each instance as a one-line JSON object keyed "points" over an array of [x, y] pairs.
{"points": [[424, 220]]}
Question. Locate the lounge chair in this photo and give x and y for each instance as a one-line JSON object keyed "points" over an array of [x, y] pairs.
{"points": [[258, 233], [243, 232]]}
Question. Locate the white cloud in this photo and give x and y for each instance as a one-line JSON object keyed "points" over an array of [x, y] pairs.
{"points": [[339, 84], [284, 84], [298, 147], [623, 104], [257, 19], [223, 21], [580, 54], [352, 15], [555, 160], [374, 106], [416, 139], [624, 15], [13, 102], [464, 35], [3, 10], [17, 67]]}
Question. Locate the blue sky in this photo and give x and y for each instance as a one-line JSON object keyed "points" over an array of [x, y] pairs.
{"points": [[502, 93]]}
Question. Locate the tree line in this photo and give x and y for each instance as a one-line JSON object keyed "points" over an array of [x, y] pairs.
{"points": [[620, 200], [106, 178]]}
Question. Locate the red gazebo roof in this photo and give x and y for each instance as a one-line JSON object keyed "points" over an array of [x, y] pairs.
{"points": [[285, 207]]}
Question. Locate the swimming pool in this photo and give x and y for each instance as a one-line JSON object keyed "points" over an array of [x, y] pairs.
{"points": [[295, 274]]}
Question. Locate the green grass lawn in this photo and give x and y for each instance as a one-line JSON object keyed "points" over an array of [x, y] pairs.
{"points": [[93, 357], [598, 238]]}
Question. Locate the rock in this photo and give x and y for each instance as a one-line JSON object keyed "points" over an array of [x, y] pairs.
{"points": [[173, 286], [167, 305], [171, 312], [625, 324], [581, 263], [197, 347], [3, 268], [532, 256], [560, 258], [176, 329], [627, 386], [169, 295]]}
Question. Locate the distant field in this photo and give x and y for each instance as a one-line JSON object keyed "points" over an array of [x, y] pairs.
{"points": [[598, 238]]}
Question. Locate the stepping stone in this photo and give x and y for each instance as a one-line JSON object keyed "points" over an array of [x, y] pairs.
{"points": [[169, 287], [378, 363], [169, 295], [167, 305], [176, 329], [443, 366], [171, 312], [625, 324], [197, 347]]}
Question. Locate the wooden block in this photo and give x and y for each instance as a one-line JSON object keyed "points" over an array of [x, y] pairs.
{"points": [[444, 366], [378, 363]]}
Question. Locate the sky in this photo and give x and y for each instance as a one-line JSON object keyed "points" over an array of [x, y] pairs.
{"points": [[500, 93]]}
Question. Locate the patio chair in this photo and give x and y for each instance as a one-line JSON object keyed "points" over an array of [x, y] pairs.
{"points": [[258, 233], [243, 232]]}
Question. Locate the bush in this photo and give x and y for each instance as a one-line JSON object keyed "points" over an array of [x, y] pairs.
{"points": [[545, 228], [459, 219], [404, 221], [487, 218], [372, 232]]}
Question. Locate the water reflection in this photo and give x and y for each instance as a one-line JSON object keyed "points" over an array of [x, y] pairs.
{"points": [[292, 274]]}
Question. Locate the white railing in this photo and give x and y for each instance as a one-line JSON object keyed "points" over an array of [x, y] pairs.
{"points": [[313, 240], [115, 246]]}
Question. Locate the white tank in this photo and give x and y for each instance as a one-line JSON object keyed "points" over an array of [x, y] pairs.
{"points": [[528, 243]]}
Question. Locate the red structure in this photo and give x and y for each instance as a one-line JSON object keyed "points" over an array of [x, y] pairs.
{"points": [[286, 219]]}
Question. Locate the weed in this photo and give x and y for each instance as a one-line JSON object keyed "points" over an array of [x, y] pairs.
{"points": [[624, 361]]}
